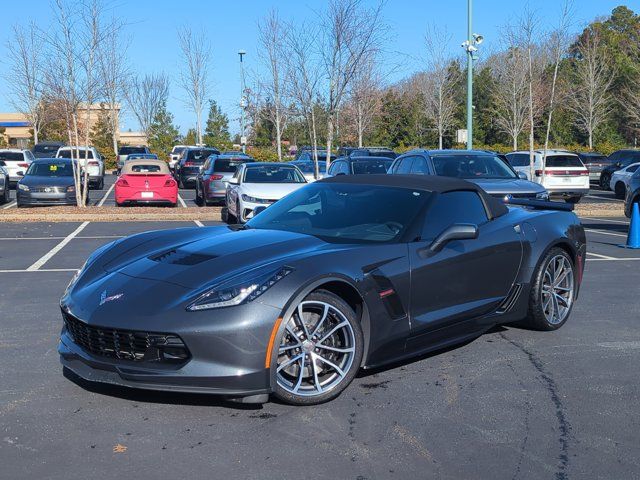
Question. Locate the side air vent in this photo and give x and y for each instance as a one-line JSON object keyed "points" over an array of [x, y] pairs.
{"points": [[510, 300], [388, 295], [177, 257]]}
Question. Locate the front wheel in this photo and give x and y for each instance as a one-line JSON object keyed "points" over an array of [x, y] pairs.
{"points": [[553, 291], [572, 200], [605, 179], [319, 351], [620, 190]]}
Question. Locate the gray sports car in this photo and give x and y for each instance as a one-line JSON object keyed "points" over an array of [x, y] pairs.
{"points": [[345, 273]]}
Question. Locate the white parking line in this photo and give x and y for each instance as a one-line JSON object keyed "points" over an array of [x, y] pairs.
{"points": [[184, 205], [605, 257], [47, 256], [12, 204], [101, 202], [606, 233], [97, 237], [612, 259], [606, 220], [609, 199], [41, 270], [198, 223]]}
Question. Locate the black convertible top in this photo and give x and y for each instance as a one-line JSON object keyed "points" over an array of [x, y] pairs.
{"points": [[429, 183]]}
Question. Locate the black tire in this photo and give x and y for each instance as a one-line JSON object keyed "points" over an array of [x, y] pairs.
{"points": [[224, 215], [101, 184], [605, 179], [357, 339], [572, 200], [180, 184], [199, 199], [536, 317], [620, 190]]}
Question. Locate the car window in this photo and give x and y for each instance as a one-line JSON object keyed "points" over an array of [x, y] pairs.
{"points": [[632, 168], [79, 154], [404, 166], [50, 169], [563, 161], [450, 208], [472, 166], [145, 168], [419, 166], [227, 165], [129, 150], [273, 174], [11, 156], [518, 159], [46, 149], [370, 166], [200, 155]]}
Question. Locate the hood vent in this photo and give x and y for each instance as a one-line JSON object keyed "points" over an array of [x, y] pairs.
{"points": [[177, 257]]}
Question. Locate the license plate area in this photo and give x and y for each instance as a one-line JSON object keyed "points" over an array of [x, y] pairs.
{"points": [[146, 194]]}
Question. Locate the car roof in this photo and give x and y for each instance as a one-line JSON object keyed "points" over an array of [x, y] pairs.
{"points": [[260, 164], [128, 167], [366, 158], [45, 160], [11, 150]]}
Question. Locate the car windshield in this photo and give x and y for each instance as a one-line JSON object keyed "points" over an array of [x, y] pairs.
{"points": [[345, 213], [305, 167], [50, 169], [228, 165], [11, 156], [177, 150], [200, 155], [46, 148], [273, 174], [141, 168], [472, 166], [130, 150], [79, 154], [563, 161], [588, 159], [138, 156], [369, 166]]}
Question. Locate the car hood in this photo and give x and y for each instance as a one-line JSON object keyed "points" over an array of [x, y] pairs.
{"points": [[201, 257], [38, 181], [271, 191], [495, 186]]}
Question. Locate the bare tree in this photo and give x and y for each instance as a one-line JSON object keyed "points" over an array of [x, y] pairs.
{"points": [[25, 75], [146, 96], [590, 99], [194, 75], [365, 97], [304, 73], [438, 90], [271, 36], [351, 34], [510, 95]]}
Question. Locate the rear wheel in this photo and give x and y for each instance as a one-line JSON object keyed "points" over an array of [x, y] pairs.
{"points": [[553, 291], [620, 190], [180, 184], [319, 352], [605, 179], [199, 199], [573, 200]]}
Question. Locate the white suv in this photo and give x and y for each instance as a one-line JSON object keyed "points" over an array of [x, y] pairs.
{"points": [[564, 176], [16, 162], [94, 163]]}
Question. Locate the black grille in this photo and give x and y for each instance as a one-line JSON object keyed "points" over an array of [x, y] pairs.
{"points": [[125, 344]]}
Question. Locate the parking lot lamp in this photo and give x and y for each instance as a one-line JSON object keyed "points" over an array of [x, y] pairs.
{"points": [[243, 103], [470, 46]]}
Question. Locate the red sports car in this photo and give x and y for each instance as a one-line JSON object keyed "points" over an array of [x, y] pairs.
{"points": [[146, 181]]}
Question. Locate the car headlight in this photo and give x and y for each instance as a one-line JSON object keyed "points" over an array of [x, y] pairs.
{"points": [[542, 196], [249, 198], [71, 189], [235, 293], [22, 187]]}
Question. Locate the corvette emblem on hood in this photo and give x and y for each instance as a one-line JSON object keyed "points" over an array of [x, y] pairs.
{"points": [[104, 299]]}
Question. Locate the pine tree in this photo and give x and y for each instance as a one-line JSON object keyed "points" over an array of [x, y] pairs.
{"points": [[216, 133], [163, 134]]}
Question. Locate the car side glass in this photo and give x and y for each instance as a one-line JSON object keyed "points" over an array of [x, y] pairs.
{"points": [[419, 166], [450, 208]]}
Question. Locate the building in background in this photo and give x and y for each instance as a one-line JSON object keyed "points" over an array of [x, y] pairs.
{"points": [[17, 129]]}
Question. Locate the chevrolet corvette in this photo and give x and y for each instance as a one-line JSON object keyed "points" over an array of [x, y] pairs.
{"points": [[345, 273]]}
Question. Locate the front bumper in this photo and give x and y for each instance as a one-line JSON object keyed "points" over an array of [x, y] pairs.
{"points": [[37, 199], [564, 192]]}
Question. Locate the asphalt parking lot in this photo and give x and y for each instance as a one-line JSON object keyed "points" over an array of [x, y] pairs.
{"points": [[512, 404]]}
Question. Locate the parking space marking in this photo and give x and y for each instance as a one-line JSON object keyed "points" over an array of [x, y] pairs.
{"points": [[631, 259], [605, 220], [605, 257], [101, 202], [609, 199], [12, 204], [90, 237], [624, 235], [184, 205], [198, 223], [47, 256], [41, 270]]}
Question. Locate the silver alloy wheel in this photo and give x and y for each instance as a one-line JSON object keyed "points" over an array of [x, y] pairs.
{"points": [[557, 289], [316, 351]]}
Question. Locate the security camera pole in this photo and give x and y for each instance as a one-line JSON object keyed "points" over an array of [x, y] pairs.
{"points": [[243, 103], [469, 45]]}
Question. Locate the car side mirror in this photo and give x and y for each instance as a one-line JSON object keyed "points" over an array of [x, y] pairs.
{"points": [[233, 181], [20, 173], [522, 176], [457, 231], [258, 210]]}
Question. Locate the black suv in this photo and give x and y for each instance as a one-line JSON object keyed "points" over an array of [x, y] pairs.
{"points": [[188, 165], [46, 149], [617, 160]]}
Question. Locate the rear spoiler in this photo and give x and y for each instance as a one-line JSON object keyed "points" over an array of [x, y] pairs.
{"points": [[539, 204]]}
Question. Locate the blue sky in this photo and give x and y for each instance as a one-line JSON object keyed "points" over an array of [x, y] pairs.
{"points": [[231, 26]]}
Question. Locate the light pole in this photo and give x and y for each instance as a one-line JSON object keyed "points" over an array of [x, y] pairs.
{"points": [[243, 103], [470, 47]]}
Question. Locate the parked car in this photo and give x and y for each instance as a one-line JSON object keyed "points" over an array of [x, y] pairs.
{"points": [[16, 161], [620, 179], [488, 170], [617, 160], [46, 149], [141, 156], [633, 193], [5, 189], [146, 181], [90, 159], [308, 169], [367, 152], [565, 176], [360, 165], [126, 150], [174, 156], [594, 162], [307, 156], [48, 181], [256, 185], [188, 167], [347, 272], [211, 182]]}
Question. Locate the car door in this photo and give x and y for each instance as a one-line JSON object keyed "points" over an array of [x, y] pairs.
{"points": [[467, 278], [233, 188]]}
